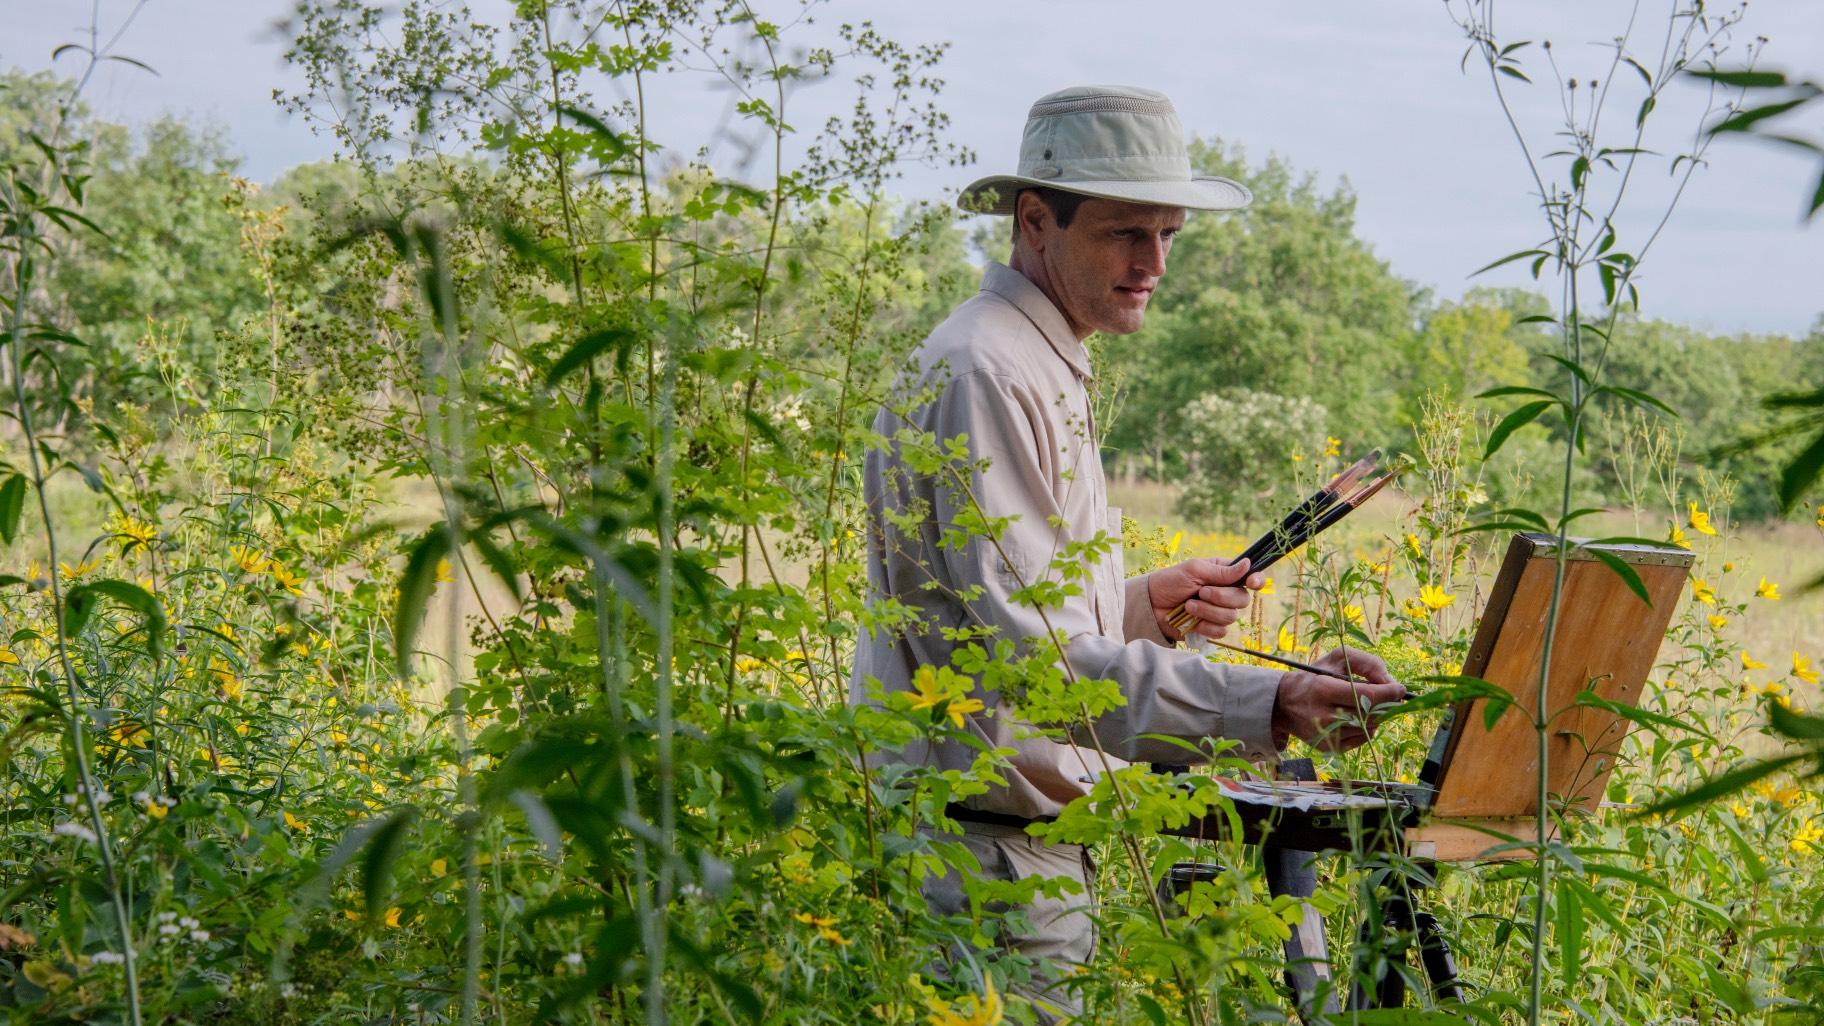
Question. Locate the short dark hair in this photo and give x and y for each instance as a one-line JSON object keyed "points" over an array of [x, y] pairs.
{"points": [[1063, 206]]}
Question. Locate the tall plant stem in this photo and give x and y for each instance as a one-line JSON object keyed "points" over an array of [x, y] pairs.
{"points": [[79, 744], [753, 377]]}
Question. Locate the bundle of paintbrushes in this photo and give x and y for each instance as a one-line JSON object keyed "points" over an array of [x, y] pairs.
{"points": [[1326, 506]]}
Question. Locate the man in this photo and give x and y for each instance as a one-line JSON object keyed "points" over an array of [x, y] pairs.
{"points": [[1104, 184]]}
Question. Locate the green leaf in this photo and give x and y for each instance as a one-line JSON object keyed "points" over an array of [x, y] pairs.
{"points": [[1720, 786], [12, 506], [1795, 725], [1629, 576], [1744, 120], [586, 349], [1510, 258], [1496, 393], [384, 845], [1743, 79], [415, 587], [498, 562], [81, 602], [1513, 422], [1638, 398], [1513, 72], [1569, 908], [1798, 476]]}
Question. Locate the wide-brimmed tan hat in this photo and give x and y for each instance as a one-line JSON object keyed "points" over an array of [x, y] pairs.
{"points": [[1116, 142]]}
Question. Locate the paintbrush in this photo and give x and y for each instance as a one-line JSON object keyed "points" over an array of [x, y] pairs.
{"points": [[1296, 665], [1324, 509], [1319, 502]]}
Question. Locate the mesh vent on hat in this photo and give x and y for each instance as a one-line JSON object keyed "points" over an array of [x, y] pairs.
{"points": [[1097, 104]]}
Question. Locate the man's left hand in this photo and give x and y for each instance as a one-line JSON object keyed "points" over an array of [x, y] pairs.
{"points": [[1215, 591]]}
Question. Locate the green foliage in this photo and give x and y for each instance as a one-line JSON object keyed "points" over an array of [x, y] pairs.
{"points": [[438, 604]]}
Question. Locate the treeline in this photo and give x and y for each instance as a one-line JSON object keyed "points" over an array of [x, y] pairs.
{"points": [[1278, 329]]}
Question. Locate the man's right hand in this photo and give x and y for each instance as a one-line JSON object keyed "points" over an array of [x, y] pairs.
{"points": [[1334, 715]]}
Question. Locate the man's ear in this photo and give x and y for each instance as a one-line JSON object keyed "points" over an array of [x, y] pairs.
{"points": [[1030, 215]]}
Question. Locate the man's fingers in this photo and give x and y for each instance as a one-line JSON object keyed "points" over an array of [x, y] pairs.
{"points": [[1234, 598], [1215, 571], [1221, 616], [1358, 662]]}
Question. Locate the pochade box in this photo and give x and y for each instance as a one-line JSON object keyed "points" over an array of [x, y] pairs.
{"points": [[1478, 793]]}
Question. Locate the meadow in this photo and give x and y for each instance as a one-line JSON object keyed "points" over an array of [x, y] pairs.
{"points": [[429, 581]]}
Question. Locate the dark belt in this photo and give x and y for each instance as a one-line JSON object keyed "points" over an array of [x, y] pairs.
{"points": [[965, 814]]}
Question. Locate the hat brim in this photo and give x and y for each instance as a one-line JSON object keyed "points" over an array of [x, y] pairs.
{"points": [[997, 194]]}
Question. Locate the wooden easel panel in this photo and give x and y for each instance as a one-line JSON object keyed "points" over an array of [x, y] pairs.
{"points": [[1606, 640]]}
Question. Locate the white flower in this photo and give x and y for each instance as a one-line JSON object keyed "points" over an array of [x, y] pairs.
{"points": [[167, 917], [188, 923], [574, 958], [76, 830], [70, 799], [107, 958], [169, 930], [141, 797], [200, 936]]}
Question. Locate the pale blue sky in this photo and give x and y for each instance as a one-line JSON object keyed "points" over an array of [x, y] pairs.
{"points": [[1366, 91]]}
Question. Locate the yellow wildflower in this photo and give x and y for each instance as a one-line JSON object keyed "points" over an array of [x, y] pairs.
{"points": [[1333, 447], [1821, 516], [928, 693], [289, 581], [443, 572], [1412, 545], [230, 686], [1287, 640], [1435, 597], [1751, 663], [440, 867], [832, 936], [1415, 608], [392, 916], [132, 530], [1810, 838], [294, 823], [1171, 547], [1700, 590], [1728, 567], [984, 1010], [810, 920], [1676, 536], [1700, 520], [1266, 587], [156, 808], [250, 560], [1718, 621], [1801, 668], [1380, 566], [129, 733], [1768, 590], [1740, 809], [71, 573], [1298, 457], [1353, 614]]}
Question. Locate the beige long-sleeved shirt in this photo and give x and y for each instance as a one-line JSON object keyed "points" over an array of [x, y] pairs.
{"points": [[1005, 374]]}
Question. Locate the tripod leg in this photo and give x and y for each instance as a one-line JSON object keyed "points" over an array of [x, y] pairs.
{"points": [[1382, 942], [1294, 873], [1440, 964], [1307, 950]]}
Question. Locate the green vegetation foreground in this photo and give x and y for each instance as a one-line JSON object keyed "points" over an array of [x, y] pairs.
{"points": [[570, 745]]}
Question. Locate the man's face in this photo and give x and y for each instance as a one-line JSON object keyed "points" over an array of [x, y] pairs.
{"points": [[1103, 268]]}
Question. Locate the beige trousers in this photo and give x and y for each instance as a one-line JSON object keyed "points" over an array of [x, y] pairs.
{"points": [[1058, 934]]}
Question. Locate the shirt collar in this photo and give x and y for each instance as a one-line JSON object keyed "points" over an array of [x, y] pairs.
{"points": [[1017, 289]]}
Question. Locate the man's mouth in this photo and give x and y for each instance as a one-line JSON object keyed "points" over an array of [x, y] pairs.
{"points": [[1139, 291]]}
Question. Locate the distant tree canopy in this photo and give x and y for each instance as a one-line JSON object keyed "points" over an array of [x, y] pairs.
{"points": [[1282, 300]]}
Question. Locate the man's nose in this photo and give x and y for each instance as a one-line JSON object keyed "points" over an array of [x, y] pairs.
{"points": [[1149, 255]]}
